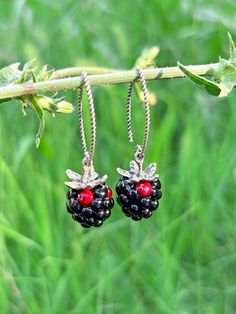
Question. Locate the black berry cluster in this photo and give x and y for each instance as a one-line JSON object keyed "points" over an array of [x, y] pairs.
{"points": [[138, 200], [90, 207]]}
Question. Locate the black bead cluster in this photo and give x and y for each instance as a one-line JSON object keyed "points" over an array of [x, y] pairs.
{"points": [[95, 213], [133, 204]]}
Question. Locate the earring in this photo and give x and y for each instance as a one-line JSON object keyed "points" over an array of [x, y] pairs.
{"points": [[138, 190], [89, 199]]}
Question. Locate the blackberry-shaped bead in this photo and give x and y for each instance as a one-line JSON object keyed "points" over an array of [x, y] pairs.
{"points": [[138, 191], [90, 206]]}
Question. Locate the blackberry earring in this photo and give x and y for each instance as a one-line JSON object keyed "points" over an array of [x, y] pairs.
{"points": [[138, 190], [89, 199]]}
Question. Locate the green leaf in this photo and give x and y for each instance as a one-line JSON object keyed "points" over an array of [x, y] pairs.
{"points": [[147, 59], [10, 74], [148, 56], [220, 81], [44, 74], [211, 87], [32, 102]]}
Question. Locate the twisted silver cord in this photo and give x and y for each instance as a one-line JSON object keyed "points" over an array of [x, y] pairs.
{"points": [[147, 113], [88, 155], [130, 134]]}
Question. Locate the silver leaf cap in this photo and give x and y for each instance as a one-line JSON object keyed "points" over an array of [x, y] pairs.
{"points": [[78, 183], [136, 174]]}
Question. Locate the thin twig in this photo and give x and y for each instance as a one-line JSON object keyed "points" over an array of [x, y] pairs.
{"points": [[105, 77]]}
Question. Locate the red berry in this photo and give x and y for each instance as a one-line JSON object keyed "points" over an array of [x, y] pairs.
{"points": [[85, 197], [144, 188], [109, 192]]}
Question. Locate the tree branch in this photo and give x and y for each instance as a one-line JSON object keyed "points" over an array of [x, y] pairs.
{"points": [[97, 77]]}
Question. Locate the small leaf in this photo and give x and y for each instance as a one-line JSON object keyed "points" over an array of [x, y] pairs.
{"points": [[73, 175], [151, 169], [124, 173], [10, 74], [148, 56], [44, 74], [32, 102], [147, 59], [211, 87], [30, 65]]}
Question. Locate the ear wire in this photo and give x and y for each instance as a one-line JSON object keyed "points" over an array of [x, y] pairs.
{"points": [[88, 154], [140, 149]]}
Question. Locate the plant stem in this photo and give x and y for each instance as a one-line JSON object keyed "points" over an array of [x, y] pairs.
{"points": [[102, 77]]}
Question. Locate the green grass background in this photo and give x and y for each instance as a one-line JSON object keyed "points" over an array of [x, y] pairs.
{"points": [[183, 259]]}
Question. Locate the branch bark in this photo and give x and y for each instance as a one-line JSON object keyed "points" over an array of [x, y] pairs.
{"points": [[70, 78]]}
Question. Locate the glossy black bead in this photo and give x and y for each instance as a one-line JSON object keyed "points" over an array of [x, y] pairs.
{"points": [[157, 184], [68, 207], [107, 213], [98, 223], [111, 203], [134, 209], [96, 204], [72, 193], [73, 204], [126, 211], [159, 195], [89, 221], [79, 217], [87, 212], [100, 191], [134, 196], [136, 217], [122, 183], [124, 199], [154, 193], [145, 202], [100, 215], [146, 213], [154, 205], [106, 203]]}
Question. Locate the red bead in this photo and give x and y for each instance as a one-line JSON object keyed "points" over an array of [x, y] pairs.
{"points": [[144, 188], [109, 192], [85, 197]]}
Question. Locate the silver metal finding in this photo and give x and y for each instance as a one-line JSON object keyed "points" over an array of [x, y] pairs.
{"points": [[88, 154], [136, 173], [88, 178], [140, 149]]}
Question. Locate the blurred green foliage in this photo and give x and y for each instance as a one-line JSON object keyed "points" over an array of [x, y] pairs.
{"points": [[183, 259]]}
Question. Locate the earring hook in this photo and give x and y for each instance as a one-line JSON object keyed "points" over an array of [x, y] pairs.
{"points": [[88, 160], [139, 149]]}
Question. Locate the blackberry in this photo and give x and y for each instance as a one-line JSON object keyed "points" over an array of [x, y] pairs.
{"points": [[89, 199], [138, 191], [90, 206], [145, 201]]}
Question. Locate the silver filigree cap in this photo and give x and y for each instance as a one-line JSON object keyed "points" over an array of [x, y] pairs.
{"points": [[136, 174], [89, 178]]}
